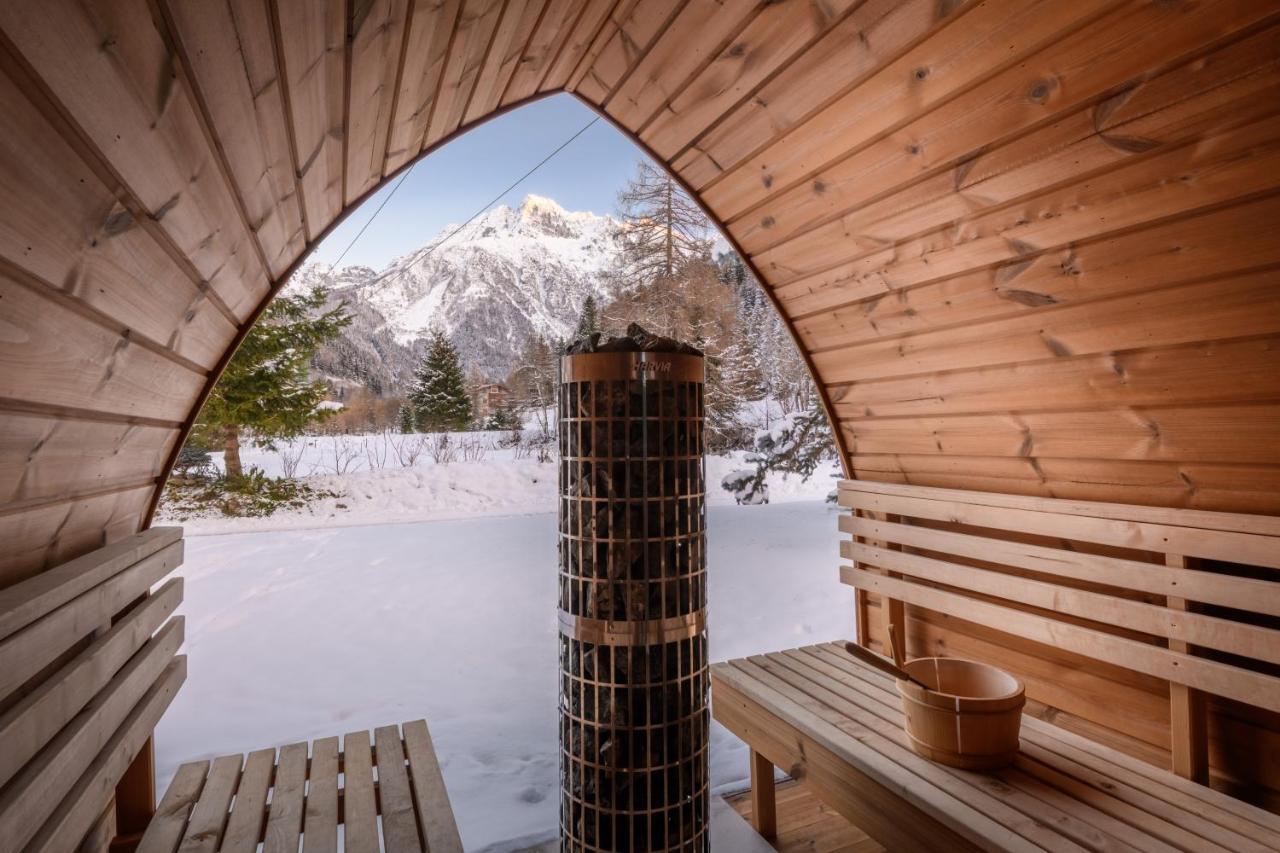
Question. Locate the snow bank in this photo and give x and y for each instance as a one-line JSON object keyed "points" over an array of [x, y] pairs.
{"points": [[499, 484]]}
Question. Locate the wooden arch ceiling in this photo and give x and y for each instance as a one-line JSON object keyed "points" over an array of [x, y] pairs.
{"points": [[1029, 246]]}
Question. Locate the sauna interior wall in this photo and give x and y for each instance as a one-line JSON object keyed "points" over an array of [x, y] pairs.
{"points": [[1027, 246]]}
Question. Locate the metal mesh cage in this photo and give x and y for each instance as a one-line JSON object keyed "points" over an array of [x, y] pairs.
{"points": [[634, 716]]}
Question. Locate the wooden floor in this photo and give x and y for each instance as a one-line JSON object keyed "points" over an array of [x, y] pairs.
{"points": [[805, 823]]}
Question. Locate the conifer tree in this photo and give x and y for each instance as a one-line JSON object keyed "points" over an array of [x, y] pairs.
{"points": [[439, 396], [589, 321], [265, 390], [404, 418]]}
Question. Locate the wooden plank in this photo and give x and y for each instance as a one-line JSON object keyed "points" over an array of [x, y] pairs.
{"points": [[504, 54], [30, 649], [1086, 66], [77, 811], [1208, 95], [1251, 594], [1214, 171], [430, 31], [58, 357], [764, 806], [42, 784], [231, 56], [1138, 377], [1248, 548], [1209, 631], [435, 816], [49, 534], [312, 62], [320, 829], [476, 23], [1219, 242], [1188, 711], [592, 17], [791, 66], [75, 234], [288, 791], [555, 28], [625, 45], [31, 723], [164, 833], [144, 123], [248, 814], [22, 604], [43, 457], [377, 37], [359, 808], [208, 818], [953, 59], [399, 821], [1211, 676]]}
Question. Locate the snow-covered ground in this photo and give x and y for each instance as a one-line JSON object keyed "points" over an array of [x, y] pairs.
{"points": [[374, 487], [429, 590], [298, 634]]}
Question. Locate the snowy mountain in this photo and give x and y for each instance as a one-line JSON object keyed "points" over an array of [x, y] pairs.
{"points": [[511, 274]]}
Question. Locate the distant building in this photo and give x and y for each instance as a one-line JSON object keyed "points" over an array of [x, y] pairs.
{"points": [[488, 398]]}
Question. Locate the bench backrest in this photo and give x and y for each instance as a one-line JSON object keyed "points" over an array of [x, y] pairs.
{"points": [[88, 663], [1189, 600]]}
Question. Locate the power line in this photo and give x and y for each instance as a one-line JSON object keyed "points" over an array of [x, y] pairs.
{"points": [[474, 216]]}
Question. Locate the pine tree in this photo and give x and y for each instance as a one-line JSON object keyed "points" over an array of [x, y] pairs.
{"points": [[265, 390], [439, 396], [405, 421], [589, 321]]}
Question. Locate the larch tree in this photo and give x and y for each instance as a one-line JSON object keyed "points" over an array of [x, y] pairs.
{"points": [[265, 393], [439, 396]]}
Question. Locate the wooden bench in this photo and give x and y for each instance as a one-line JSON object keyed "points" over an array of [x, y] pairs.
{"points": [[88, 663], [278, 797], [1187, 600]]}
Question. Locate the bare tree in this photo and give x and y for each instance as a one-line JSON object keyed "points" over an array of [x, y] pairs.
{"points": [[662, 230]]}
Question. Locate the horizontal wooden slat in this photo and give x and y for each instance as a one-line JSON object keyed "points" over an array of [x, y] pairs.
{"points": [[22, 604], [42, 784], [78, 809], [1247, 548], [31, 723], [30, 649], [48, 534], [1222, 521], [1226, 434], [1207, 631], [43, 456], [1249, 594], [1200, 673]]}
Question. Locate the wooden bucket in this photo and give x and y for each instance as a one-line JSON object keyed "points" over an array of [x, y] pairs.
{"points": [[971, 720]]}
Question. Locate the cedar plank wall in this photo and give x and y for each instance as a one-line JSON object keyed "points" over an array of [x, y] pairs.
{"points": [[1029, 246]]}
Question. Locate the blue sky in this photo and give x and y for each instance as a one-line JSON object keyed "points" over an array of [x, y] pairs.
{"points": [[455, 181]]}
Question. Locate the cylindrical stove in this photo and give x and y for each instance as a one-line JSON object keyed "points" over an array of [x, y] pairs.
{"points": [[634, 716]]}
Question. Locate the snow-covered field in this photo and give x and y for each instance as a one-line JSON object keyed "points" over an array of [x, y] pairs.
{"points": [[430, 591], [374, 487]]}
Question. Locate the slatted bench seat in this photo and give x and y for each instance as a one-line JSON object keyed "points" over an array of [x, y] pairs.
{"points": [[278, 797], [836, 724], [1158, 619]]}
